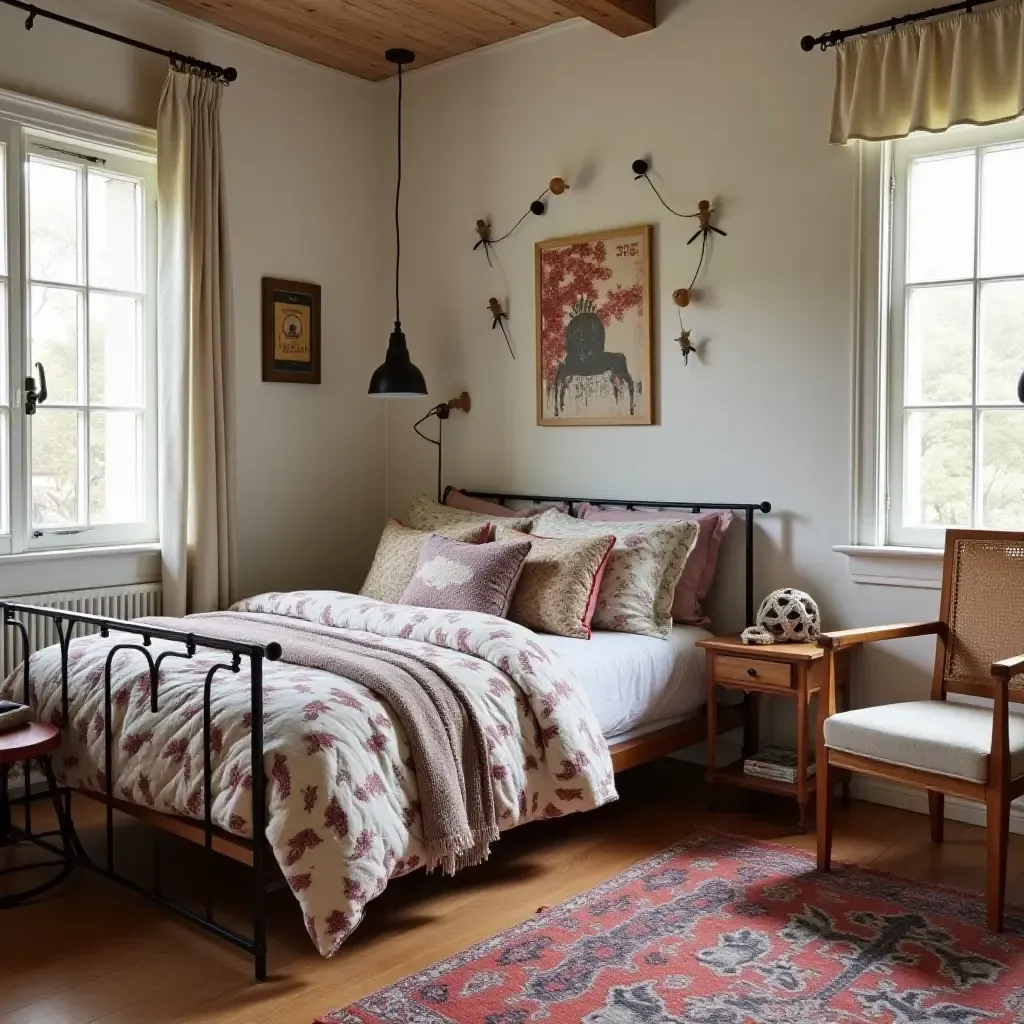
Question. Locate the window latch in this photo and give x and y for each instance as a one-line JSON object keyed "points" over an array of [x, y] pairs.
{"points": [[32, 396]]}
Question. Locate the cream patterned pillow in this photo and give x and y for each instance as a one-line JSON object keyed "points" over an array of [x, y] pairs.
{"points": [[427, 514], [398, 553], [558, 589], [640, 580]]}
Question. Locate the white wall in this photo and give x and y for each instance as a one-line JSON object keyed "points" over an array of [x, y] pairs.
{"points": [[726, 105], [301, 145]]}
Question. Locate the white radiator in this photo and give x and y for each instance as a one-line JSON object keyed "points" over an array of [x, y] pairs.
{"points": [[133, 602]]}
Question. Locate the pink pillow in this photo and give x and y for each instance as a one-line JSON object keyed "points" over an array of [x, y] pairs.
{"points": [[699, 571], [457, 499]]}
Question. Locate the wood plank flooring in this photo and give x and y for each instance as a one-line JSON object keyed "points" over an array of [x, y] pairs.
{"points": [[94, 952]]}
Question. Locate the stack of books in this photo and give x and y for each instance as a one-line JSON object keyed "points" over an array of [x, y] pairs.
{"points": [[775, 763]]}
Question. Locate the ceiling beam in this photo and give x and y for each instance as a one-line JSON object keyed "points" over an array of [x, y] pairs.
{"points": [[623, 17]]}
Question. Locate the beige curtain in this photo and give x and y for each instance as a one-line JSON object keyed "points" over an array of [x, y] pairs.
{"points": [[927, 77], [194, 337]]}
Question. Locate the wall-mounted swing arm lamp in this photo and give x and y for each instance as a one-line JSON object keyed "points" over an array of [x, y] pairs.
{"points": [[442, 412]]}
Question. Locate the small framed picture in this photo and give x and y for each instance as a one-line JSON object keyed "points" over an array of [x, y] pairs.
{"points": [[594, 337], [291, 331]]}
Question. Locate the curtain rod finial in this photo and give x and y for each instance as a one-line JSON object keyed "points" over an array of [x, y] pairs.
{"points": [[807, 44]]}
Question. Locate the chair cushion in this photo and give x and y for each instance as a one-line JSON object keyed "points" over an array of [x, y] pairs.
{"points": [[932, 735]]}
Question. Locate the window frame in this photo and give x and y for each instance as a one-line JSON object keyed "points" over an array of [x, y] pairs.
{"points": [[26, 124], [876, 554], [902, 154]]}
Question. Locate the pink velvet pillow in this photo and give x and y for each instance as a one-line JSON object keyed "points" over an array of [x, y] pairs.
{"points": [[699, 571], [456, 499]]}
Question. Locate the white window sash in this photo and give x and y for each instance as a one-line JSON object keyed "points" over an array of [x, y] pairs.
{"points": [[904, 152], [25, 125]]}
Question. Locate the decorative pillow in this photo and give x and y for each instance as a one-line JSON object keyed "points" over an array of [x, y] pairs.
{"points": [[643, 571], [454, 498], [398, 553], [427, 514], [557, 592], [699, 574], [467, 577]]}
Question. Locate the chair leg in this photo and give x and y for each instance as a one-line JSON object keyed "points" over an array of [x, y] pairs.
{"points": [[937, 812], [998, 843], [825, 781]]}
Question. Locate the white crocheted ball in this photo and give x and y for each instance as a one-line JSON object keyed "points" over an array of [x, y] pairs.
{"points": [[790, 616]]}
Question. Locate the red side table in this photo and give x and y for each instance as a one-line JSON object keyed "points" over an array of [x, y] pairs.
{"points": [[33, 742]]}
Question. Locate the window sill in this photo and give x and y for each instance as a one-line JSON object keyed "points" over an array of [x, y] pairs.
{"points": [[47, 572], [894, 566]]}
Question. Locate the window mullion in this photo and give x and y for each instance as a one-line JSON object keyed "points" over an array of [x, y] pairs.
{"points": [[86, 516], [976, 351], [17, 340]]}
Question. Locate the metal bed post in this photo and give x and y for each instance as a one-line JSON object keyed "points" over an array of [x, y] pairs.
{"points": [[259, 819], [256, 946]]}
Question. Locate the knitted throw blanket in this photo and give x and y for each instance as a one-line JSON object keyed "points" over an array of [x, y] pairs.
{"points": [[448, 744]]}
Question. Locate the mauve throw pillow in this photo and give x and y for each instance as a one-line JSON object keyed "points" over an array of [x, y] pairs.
{"points": [[467, 577], [699, 571], [454, 498]]}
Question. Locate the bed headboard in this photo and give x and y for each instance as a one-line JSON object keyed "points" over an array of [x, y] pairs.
{"points": [[748, 511]]}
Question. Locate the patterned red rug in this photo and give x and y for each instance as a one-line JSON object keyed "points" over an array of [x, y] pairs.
{"points": [[723, 930]]}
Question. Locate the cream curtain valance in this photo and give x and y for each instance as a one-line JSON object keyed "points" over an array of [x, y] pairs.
{"points": [[930, 76]]}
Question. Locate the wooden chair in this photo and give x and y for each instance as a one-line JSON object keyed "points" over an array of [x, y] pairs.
{"points": [[944, 746]]}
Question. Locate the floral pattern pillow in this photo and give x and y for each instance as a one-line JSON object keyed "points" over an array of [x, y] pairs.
{"points": [[427, 514], [398, 554], [559, 579], [640, 580]]}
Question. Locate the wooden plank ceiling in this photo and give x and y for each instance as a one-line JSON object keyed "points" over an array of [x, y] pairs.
{"points": [[352, 35]]}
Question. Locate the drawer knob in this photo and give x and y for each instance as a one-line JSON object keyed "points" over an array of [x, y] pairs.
{"points": [[751, 671]]}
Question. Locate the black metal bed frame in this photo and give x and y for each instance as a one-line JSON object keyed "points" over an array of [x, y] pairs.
{"points": [[748, 510], [64, 623]]}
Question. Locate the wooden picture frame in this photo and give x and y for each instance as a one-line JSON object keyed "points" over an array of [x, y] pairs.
{"points": [[291, 331], [595, 336]]}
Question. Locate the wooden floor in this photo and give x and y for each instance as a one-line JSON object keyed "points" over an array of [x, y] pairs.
{"points": [[95, 952]]}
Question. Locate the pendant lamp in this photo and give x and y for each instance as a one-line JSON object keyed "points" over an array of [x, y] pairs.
{"points": [[397, 376]]}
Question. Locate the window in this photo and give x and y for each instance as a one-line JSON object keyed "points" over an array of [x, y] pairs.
{"points": [[77, 305], [952, 436]]}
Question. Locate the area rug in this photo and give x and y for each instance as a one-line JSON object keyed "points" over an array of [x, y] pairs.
{"points": [[724, 930]]}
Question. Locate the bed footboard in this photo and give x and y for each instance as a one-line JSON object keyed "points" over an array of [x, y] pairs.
{"points": [[211, 838]]}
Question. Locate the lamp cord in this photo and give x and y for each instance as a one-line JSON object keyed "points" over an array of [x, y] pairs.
{"points": [[398, 196]]}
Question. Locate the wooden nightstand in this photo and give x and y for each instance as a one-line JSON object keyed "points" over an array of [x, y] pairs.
{"points": [[783, 670]]}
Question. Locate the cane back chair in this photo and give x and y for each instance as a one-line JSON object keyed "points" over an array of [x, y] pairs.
{"points": [[945, 746]]}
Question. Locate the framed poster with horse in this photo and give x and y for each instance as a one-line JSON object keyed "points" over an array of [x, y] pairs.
{"points": [[594, 331]]}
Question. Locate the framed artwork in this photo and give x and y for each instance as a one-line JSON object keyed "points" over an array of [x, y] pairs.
{"points": [[291, 331], [594, 335]]}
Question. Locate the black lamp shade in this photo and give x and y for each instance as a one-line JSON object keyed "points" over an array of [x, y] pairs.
{"points": [[397, 377]]}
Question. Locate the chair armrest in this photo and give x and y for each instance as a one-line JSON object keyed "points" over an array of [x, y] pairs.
{"points": [[1008, 667], [841, 638]]}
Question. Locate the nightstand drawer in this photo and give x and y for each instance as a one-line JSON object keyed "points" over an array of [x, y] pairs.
{"points": [[753, 670]]}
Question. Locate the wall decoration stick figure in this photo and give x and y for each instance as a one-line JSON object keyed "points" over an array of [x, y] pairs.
{"points": [[499, 317], [556, 187], [483, 229], [704, 212]]}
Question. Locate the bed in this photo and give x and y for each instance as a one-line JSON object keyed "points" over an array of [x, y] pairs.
{"points": [[179, 722]]}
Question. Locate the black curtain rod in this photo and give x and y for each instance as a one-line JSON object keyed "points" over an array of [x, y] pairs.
{"points": [[214, 70], [839, 35]]}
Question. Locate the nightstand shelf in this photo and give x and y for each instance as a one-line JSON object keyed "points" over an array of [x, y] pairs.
{"points": [[795, 671], [733, 775]]}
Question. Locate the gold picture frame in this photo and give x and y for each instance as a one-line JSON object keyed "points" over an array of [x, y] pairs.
{"points": [[595, 337]]}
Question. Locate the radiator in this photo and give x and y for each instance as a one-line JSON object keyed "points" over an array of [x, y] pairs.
{"points": [[133, 602]]}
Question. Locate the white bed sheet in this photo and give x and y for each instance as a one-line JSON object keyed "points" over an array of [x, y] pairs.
{"points": [[638, 683]]}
